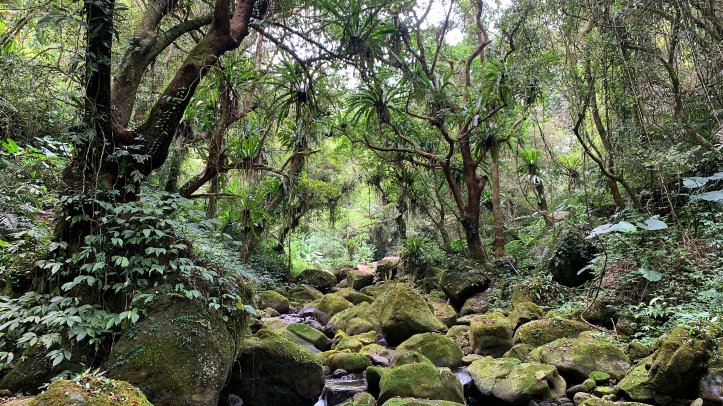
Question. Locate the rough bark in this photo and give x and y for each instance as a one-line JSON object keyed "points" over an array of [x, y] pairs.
{"points": [[498, 221]]}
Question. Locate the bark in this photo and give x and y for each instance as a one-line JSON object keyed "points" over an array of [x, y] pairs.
{"points": [[498, 221]]}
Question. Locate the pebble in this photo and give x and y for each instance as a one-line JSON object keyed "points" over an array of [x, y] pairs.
{"points": [[379, 360], [571, 391], [581, 397], [339, 373]]}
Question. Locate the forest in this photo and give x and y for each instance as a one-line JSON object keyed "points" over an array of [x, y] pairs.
{"points": [[360, 203]]}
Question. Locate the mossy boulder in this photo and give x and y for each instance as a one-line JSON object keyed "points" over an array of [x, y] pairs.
{"points": [[271, 370], [348, 361], [570, 253], [340, 321], [443, 311], [576, 358], [461, 280], [441, 350], [361, 399], [491, 334], [179, 355], [510, 381], [483, 302], [543, 331], [376, 349], [374, 378], [637, 385], [460, 335], [410, 357], [420, 381], [274, 324], [274, 300], [318, 278], [357, 342], [404, 313], [593, 401], [710, 388], [354, 296], [311, 335], [387, 267], [34, 369], [419, 402], [518, 351], [525, 312], [678, 360], [332, 304], [91, 392], [358, 279], [305, 293], [358, 325], [636, 351]]}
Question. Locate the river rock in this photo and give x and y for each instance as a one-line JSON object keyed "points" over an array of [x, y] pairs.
{"points": [[541, 332], [347, 361], [274, 300], [96, 393], [491, 334], [441, 350], [404, 313], [419, 402], [461, 280], [525, 312], [354, 296], [443, 311], [420, 381], [318, 278], [512, 382], [311, 335], [358, 279], [332, 304]]}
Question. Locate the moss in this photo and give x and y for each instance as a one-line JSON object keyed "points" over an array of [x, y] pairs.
{"points": [[98, 392], [637, 351], [443, 311], [305, 293], [410, 357], [541, 332], [525, 312], [606, 391], [602, 402], [274, 324], [332, 304], [462, 280], [354, 296], [357, 342], [420, 381], [487, 371], [441, 350], [419, 402], [374, 376], [311, 335], [403, 313], [340, 321], [358, 325], [274, 300], [358, 279], [349, 362], [460, 335], [600, 378], [491, 334], [318, 278], [576, 359], [376, 349], [518, 351], [530, 381]]}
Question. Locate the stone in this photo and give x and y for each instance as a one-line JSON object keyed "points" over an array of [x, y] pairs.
{"points": [[440, 349], [273, 299], [311, 335], [443, 311], [318, 278], [420, 381], [269, 312], [410, 357], [593, 401], [636, 351], [491, 334], [332, 304], [97, 393], [348, 361], [357, 342], [358, 279], [518, 351], [512, 382], [461, 280], [576, 358], [601, 391], [358, 326], [570, 252], [363, 399], [340, 321], [181, 354], [338, 373], [354, 296], [275, 324], [271, 370], [459, 334], [540, 332], [376, 349], [387, 267], [374, 377], [600, 378], [589, 384], [525, 312], [581, 397], [468, 359], [571, 391], [305, 293], [34, 369], [404, 313], [710, 387], [419, 402]]}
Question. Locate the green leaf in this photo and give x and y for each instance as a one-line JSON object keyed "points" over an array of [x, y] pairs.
{"points": [[3, 243], [625, 227], [652, 225], [715, 196], [650, 274]]}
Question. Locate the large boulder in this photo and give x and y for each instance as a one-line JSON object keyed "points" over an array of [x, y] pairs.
{"points": [[318, 278], [443, 311], [459, 334], [637, 386], [420, 381], [419, 402], [515, 383], [571, 252], [357, 342], [271, 370], [161, 354], [485, 301], [34, 369], [387, 267], [340, 321], [350, 362], [311, 335], [354, 296], [461, 280], [359, 278], [404, 313], [441, 350], [525, 312], [332, 304], [491, 334], [305, 293], [91, 391], [543, 331], [275, 300], [576, 358]]}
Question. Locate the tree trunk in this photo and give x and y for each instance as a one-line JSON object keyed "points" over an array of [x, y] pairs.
{"points": [[498, 221]]}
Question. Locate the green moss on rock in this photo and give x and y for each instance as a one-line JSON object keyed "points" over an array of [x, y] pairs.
{"points": [[410, 357], [357, 342], [332, 304], [525, 312], [347, 361], [491, 334], [512, 382], [420, 381], [357, 325], [354, 296], [443, 311], [543, 331], [404, 313], [311, 335], [441, 350], [99, 392], [419, 402], [318, 278], [274, 300]]}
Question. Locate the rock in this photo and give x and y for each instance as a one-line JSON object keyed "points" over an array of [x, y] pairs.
{"points": [[162, 354], [271, 370], [576, 358], [376, 349], [589, 384], [318, 278], [479, 303], [491, 334], [461, 280], [274, 300], [581, 397], [357, 342], [525, 312], [340, 321], [332, 304], [378, 360], [33, 370], [460, 335], [311, 335], [419, 402], [420, 381], [518, 351], [677, 363], [512, 382], [571, 391], [637, 351], [387, 267], [98, 392], [710, 387], [275, 324], [541, 332], [440, 349], [410, 357], [358, 326], [570, 253], [348, 361], [354, 296], [363, 399], [593, 401], [313, 324], [305, 293], [444, 312], [374, 377], [697, 402], [404, 313], [522, 293], [358, 279], [601, 391], [468, 359], [600, 378], [338, 373]]}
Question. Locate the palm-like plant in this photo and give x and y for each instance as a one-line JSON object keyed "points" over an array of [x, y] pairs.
{"points": [[412, 254]]}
